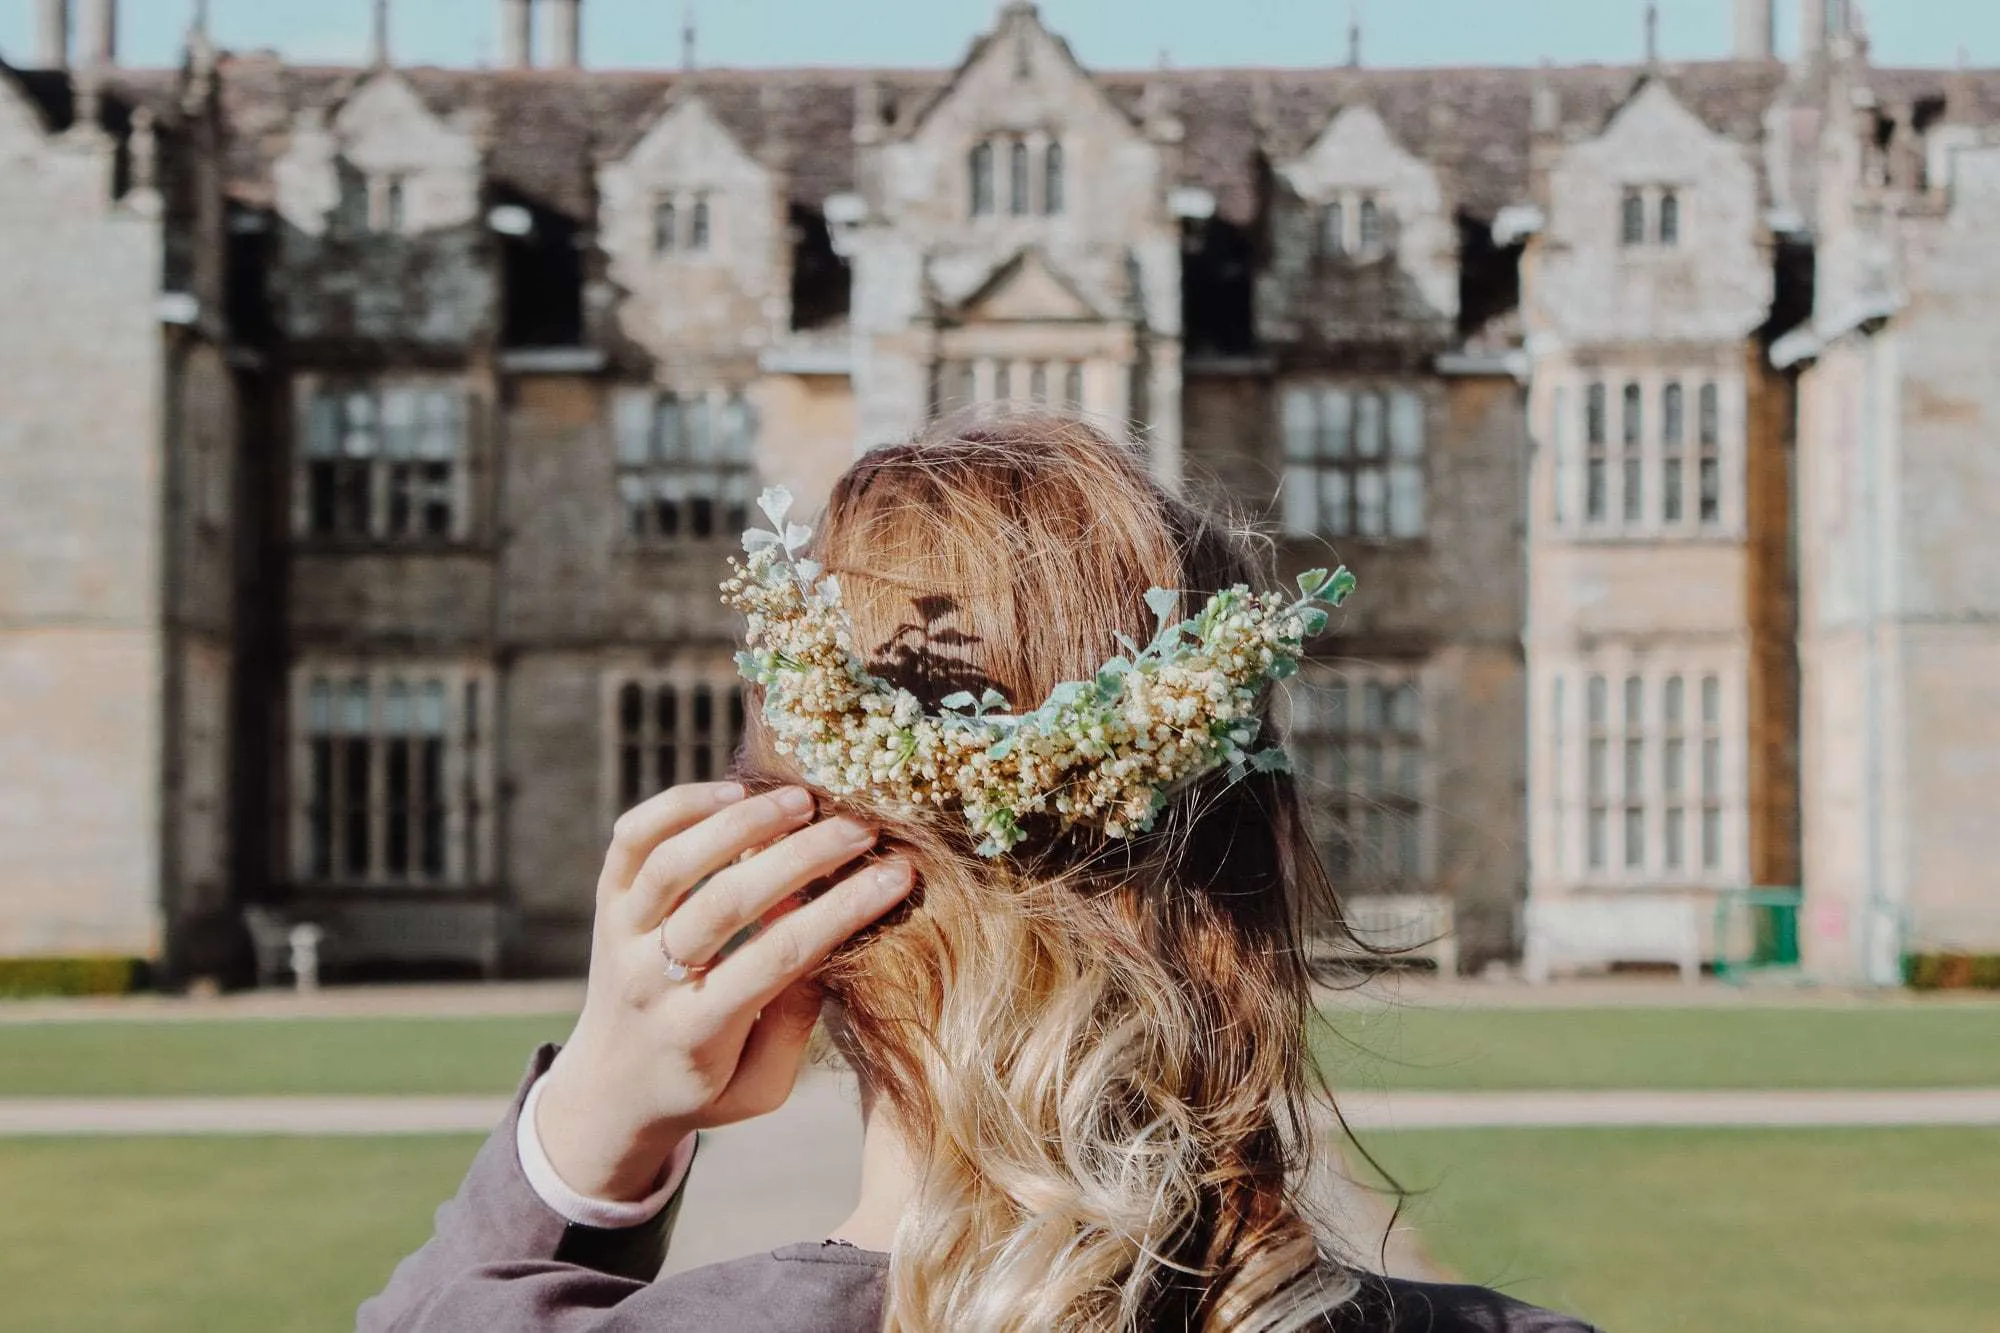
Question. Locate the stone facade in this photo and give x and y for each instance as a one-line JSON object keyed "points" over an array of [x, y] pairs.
{"points": [[371, 573]]}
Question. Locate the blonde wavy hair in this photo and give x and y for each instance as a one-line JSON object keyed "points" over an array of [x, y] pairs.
{"points": [[1095, 1049]]}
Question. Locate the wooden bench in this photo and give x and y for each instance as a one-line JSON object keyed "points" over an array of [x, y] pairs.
{"points": [[1412, 926], [1600, 931]]}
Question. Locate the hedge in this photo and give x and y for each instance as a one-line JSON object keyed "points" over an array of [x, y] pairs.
{"points": [[1952, 971], [70, 976]]}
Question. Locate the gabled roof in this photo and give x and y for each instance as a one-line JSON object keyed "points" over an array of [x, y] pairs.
{"points": [[1018, 275], [1473, 125], [1012, 13]]}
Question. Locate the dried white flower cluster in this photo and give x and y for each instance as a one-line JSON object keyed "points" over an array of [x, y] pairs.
{"points": [[1104, 753]]}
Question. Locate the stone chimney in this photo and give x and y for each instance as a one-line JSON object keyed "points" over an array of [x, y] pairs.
{"points": [[1756, 37], [378, 36], [97, 33], [52, 34], [564, 33], [517, 34]]}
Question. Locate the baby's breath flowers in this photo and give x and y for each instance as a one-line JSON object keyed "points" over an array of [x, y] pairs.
{"points": [[1104, 753]]}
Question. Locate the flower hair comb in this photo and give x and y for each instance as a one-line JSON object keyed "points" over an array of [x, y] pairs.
{"points": [[1105, 753]]}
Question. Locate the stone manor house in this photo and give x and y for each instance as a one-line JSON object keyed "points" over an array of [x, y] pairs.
{"points": [[371, 439]]}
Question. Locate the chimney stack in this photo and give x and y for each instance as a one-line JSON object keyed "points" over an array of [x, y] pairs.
{"points": [[564, 33], [378, 37], [1756, 34], [97, 33], [517, 34], [1354, 35], [52, 34]]}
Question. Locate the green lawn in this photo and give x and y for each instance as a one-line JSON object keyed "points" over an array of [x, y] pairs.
{"points": [[1365, 1046], [215, 1235], [1903, 1046], [1713, 1231], [258, 1056]]}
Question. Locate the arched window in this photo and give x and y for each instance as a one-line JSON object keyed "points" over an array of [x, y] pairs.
{"points": [[1632, 229], [1371, 224], [1670, 218], [699, 225], [1333, 229], [1018, 179], [666, 227], [1052, 179], [982, 180]]}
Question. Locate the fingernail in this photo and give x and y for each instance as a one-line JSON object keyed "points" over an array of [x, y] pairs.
{"points": [[860, 835], [892, 875], [729, 793], [795, 800]]}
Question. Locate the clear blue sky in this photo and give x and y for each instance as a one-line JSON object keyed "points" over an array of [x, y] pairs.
{"points": [[1110, 33]]}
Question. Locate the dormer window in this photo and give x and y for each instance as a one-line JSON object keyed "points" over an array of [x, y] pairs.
{"points": [[1032, 186], [1018, 178], [683, 224], [1354, 225], [1371, 225], [982, 180], [1333, 229], [1632, 218], [389, 207], [1650, 217]]}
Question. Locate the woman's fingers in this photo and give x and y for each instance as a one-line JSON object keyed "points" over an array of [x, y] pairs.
{"points": [[743, 894], [651, 822], [800, 940], [692, 855], [776, 1047]]}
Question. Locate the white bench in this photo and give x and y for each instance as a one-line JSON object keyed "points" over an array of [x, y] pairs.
{"points": [[1598, 932], [1405, 926]]}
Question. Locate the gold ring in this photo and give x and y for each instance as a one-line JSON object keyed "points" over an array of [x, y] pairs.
{"points": [[677, 971]]}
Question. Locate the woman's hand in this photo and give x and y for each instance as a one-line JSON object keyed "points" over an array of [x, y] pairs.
{"points": [[651, 1059]]}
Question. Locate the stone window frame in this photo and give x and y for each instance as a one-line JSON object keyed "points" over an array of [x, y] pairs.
{"points": [[1672, 765], [1691, 464], [1034, 174], [361, 477], [367, 739], [665, 725], [1381, 490], [686, 464], [1652, 216], [1356, 226], [684, 223], [1362, 746]]}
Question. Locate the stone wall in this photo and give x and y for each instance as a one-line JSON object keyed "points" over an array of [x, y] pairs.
{"points": [[81, 617]]}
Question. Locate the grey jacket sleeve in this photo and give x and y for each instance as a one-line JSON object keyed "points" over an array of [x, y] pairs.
{"points": [[501, 1260]]}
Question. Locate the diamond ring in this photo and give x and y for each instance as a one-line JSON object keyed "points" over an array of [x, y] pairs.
{"points": [[675, 970]]}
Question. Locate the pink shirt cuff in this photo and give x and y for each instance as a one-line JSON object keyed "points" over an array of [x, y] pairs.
{"points": [[581, 1209]]}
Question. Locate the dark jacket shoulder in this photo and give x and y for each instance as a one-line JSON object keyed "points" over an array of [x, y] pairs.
{"points": [[822, 1287], [1391, 1305]]}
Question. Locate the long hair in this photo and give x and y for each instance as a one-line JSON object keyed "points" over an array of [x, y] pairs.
{"points": [[1096, 1049]]}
